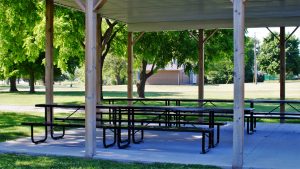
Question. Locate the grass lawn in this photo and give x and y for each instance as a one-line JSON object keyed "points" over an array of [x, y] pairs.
{"points": [[11, 128], [65, 94], [12, 161], [10, 124]]}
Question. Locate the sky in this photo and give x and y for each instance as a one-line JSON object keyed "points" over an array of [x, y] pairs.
{"points": [[261, 33]]}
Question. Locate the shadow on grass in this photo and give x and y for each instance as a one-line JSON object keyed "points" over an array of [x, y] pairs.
{"points": [[10, 125], [106, 93], [5, 136]]}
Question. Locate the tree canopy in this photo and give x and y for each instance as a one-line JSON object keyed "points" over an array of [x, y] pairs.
{"points": [[158, 49], [17, 23], [22, 34], [269, 57]]}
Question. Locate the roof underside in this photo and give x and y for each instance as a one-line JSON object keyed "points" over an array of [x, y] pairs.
{"points": [[158, 15]]}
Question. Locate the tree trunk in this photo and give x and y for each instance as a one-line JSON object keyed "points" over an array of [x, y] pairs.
{"points": [[13, 84], [106, 40], [141, 87], [143, 78], [31, 81], [118, 79]]}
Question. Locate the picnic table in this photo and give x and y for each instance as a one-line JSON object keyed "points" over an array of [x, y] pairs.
{"points": [[272, 105], [126, 117]]}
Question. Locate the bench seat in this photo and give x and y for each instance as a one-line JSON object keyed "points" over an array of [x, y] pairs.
{"points": [[116, 128], [156, 121], [134, 128]]}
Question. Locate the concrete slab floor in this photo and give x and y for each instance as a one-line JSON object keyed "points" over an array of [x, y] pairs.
{"points": [[272, 146]]}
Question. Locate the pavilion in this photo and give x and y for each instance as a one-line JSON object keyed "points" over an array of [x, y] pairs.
{"points": [[161, 15]]}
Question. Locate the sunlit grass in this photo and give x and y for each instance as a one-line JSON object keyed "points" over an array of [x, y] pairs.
{"points": [[12, 161], [65, 94]]}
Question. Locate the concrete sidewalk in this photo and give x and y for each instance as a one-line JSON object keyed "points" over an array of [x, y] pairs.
{"points": [[272, 146]]}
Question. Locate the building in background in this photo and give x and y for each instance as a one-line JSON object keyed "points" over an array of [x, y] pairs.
{"points": [[171, 75]]}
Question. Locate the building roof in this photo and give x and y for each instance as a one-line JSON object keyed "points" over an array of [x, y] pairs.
{"points": [[170, 67], [158, 15]]}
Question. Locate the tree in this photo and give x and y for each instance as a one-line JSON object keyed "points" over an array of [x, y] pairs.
{"points": [[269, 56], [158, 49], [69, 38], [218, 61], [108, 32], [249, 58], [219, 57], [221, 71], [115, 70], [22, 30], [68, 42], [32, 71], [22, 43], [17, 20]]}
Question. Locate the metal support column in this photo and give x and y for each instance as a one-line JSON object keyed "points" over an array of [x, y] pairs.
{"points": [[239, 78]]}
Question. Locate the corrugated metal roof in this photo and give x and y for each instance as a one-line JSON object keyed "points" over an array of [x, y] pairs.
{"points": [[157, 15]]}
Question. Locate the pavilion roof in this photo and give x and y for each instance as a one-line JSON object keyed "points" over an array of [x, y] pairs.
{"points": [[158, 15]]}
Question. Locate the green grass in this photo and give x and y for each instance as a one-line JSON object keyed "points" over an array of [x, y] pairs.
{"points": [[12, 161], [64, 94], [10, 125], [11, 128]]}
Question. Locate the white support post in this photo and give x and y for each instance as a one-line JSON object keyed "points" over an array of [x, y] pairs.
{"points": [[49, 55], [90, 79], [130, 67], [239, 78]]}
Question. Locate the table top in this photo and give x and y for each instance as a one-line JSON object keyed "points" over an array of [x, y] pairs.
{"points": [[143, 107], [203, 100]]}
